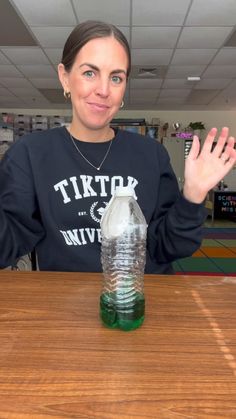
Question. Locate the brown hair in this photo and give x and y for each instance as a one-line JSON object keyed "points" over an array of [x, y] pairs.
{"points": [[85, 32]]}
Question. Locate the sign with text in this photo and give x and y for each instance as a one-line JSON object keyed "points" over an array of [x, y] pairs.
{"points": [[225, 204]]}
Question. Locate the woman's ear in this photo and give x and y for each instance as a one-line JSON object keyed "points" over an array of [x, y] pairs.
{"points": [[63, 77]]}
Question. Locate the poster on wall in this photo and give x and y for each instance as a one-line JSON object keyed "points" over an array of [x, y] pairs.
{"points": [[225, 205]]}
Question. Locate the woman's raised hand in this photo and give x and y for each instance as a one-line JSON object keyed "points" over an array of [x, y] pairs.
{"points": [[205, 168]]}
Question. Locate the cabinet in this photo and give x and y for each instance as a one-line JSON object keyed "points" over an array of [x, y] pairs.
{"points": [[178, 149], [6, 139], [150, 130], [139, 129], [136, 125]]}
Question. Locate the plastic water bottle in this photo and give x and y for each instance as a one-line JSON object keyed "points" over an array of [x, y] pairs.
{"points": [[123, 256]]}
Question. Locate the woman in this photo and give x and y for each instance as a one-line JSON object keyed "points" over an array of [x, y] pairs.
{"points": [[55, 185]]}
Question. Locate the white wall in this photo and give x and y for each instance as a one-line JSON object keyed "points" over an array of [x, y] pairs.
{"points": [[211, 119]]}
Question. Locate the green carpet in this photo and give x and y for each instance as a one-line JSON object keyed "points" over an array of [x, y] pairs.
{"points": [[216, 256]]}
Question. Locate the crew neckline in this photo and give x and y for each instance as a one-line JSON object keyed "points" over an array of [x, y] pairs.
{"points": [[92, 142]]}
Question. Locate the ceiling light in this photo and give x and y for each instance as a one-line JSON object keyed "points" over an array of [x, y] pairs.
{"points": [[194, 78]]}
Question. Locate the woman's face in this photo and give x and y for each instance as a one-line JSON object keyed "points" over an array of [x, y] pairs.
{"points": [[96, 82]]}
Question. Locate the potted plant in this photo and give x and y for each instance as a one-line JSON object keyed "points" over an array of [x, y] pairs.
{"points": [[196, 127]]}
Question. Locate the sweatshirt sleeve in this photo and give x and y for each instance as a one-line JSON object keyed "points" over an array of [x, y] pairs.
{"points": [[176, 228], [21, 228]]}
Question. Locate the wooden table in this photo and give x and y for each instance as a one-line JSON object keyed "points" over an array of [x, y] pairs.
{"points": [[58, 361]]}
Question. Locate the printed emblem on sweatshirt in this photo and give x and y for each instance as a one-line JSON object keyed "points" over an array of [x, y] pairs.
{"points": [[96, 211]]}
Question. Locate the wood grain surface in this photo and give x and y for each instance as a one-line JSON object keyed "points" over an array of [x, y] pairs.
{"points": [[58, 361]]}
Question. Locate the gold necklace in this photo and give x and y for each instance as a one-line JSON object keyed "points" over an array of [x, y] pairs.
{"points": [[85, 158]]}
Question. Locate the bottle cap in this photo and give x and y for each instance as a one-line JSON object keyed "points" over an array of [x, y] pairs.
{"points": [[124, 191]]}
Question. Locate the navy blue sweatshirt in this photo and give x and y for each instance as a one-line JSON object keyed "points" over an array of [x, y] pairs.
{"points": [[52, 200]]}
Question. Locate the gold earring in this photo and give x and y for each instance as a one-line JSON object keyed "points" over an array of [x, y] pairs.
{"points": [[66, 95], [122, 104]]}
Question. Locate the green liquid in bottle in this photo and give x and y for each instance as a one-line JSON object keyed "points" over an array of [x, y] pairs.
{"points": [[125, 318]]}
